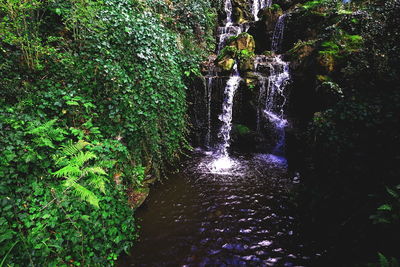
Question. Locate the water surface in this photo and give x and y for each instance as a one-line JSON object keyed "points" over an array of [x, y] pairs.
{"points": [[239, 218]]}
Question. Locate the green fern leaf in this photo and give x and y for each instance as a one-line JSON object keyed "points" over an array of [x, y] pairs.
{"points": [[98, 182], [68, 171], [42, 128], [72, 149], [71, 181], [94, 170], [383, 261], [82, 157], [86, 195]]}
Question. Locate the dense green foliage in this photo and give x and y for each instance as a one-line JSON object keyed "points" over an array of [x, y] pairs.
{"points": [[349, 58], [93, 101]]}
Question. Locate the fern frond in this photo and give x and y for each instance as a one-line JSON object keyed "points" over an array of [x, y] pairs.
{"points": [[60, 160], [68, 171], [86, 194], [71, 181], [99, 182], [94, 170], [81, 158], [71, 149], [42, 128]]}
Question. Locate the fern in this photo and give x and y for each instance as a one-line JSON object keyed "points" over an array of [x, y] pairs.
{"points": [[87, 195], [82, 157], [46, 134], [68, 171], [98, 182], [96, 170], [78, 170], [72, 148], [385, 262]]}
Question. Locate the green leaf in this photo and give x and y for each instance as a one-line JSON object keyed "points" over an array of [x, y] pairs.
{"points": [[72, 103], [385, 207], [392, 192], [383, 261]]}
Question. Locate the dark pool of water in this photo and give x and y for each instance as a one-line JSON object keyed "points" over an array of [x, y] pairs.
{"points": [[196, 218]]}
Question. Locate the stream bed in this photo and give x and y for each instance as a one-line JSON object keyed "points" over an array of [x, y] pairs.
{"points": [[239, 218]]}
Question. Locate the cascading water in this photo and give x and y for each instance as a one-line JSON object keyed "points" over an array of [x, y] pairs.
{"points": [[229, 29], [278, 33], [208, 94], [275, 95], [223, 161], [258, 5]]}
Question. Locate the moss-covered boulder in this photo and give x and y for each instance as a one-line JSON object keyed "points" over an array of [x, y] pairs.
{"points": [[241, 11], [239, 15], [239, 49], [226, 58], [226, 64], [243, 41]]}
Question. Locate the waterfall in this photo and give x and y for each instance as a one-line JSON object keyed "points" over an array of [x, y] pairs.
{"points": [[273, 75], [209, 86], [227, 111], [278, 34], [229, 29], [222, 161], [258, 5], [263, 88], [278, 78], [276, 100]]}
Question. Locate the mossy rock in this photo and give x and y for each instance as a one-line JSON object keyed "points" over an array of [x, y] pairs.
{"points": [[227, 52], [226, 64], [250, 82], [241, 11], [240, 16], [138, 196], [243, 41], [327, 61], [226, 58], [239, 48], [302, 50], [251, 75], [270, 16]]}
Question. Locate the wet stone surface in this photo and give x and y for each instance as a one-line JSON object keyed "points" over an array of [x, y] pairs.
{"points": [[241, 218]]}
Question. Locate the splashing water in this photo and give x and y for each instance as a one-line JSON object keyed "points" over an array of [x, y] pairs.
{"points": [[222, 161], [277, 80], [276, 100], [227, 111]]}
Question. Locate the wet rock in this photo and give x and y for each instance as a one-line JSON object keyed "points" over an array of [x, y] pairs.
{"points": [[136, 197], [226, 64], [246, 64], [241, 11], [244, 41]]}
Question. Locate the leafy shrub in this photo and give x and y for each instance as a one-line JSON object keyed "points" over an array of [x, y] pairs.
{"points": [[96, 105]]}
